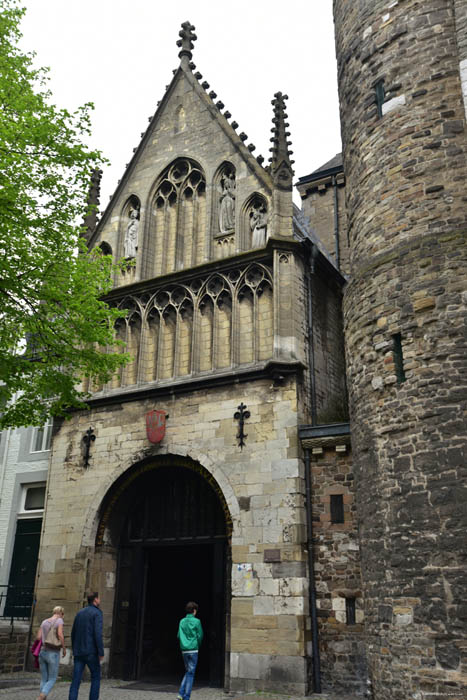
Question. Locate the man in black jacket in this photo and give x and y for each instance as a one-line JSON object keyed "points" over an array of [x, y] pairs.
{"points": [[88, 648]]}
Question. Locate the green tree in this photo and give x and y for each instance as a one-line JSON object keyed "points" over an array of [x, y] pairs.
{"points": [[50, 294]]}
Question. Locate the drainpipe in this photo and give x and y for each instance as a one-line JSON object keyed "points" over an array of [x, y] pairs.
{"points": [[309, 520], [336, 221], [311, 579]]}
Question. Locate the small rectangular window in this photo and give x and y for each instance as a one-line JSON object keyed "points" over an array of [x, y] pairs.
{"points": [[398, 357], [35, 498], [380, 95], [42, 438], [350, 611], [337, 509]]}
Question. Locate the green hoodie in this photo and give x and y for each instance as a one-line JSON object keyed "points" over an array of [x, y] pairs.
{"points": [[190, 633]]}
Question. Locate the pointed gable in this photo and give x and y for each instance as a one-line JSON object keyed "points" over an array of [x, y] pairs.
{"points": [[193, 191]]}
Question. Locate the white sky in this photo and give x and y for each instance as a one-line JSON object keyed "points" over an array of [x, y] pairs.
{"points": [[120, 55]]}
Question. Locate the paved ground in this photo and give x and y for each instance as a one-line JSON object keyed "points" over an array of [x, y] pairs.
{"points": [[25, 686]]}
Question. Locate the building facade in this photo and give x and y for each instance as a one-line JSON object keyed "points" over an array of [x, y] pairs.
{"points": [[217, 464], [24, 456], [186, 478]]}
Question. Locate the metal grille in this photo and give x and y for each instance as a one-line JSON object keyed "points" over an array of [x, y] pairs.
{"points": [[174, 504]]}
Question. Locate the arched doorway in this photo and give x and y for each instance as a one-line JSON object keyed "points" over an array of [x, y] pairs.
{"points": [[171, 525]]}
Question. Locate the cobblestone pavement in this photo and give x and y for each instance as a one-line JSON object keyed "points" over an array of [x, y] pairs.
{"points": [[26, 687]]}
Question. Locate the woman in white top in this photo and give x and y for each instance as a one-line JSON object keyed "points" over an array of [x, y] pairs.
{"points": [[49, 657]]}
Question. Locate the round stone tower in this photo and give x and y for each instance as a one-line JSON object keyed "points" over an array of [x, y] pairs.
{"points": [[401, 66]]}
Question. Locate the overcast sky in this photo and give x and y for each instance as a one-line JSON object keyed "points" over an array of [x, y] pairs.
{"points": [[119, 54]]}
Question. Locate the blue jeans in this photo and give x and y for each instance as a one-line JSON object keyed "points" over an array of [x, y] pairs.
{"points": [[92, 662], [190, 659], [48, 663]]}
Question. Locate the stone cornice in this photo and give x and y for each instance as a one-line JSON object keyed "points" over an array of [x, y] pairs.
{"points": [[263, 255], [277, 370]]}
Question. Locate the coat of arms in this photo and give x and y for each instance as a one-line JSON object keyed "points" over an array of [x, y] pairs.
{"points": [[155, 425]]}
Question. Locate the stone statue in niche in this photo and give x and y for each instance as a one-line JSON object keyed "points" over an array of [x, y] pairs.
{"points": [[130, 245], [227, 203], [258, 225]]}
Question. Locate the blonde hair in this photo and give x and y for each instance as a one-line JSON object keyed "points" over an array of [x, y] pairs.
{"points": [[58, 610]]}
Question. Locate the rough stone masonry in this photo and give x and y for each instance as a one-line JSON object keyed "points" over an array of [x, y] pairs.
{"points": [[404, 138]]}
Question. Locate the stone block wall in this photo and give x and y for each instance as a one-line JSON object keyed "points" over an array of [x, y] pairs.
{"points": [[262, 485], [328, 350], [337, 572], [405, 146], [13, 641], [319, 207]]}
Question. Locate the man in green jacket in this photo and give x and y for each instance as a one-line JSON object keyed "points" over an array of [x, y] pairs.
{"points": [[190, 636]]}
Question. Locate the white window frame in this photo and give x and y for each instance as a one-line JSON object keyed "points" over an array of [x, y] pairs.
{"points": [[46, 436], [30, 513]]}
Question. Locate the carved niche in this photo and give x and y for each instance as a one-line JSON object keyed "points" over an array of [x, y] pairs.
{"points": [[130, 239], [257, 215], [226, 190]]}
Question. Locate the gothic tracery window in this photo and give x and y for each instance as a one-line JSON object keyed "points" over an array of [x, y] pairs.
{"points": [[179, 217]]}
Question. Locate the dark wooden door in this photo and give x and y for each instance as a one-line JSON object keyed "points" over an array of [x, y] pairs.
{"points": [[127, 614], [173, 547], [23, 568]]}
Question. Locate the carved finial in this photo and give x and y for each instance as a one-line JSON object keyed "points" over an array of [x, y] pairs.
{"points": [[92, 204], [281, 165], [187, 37]]}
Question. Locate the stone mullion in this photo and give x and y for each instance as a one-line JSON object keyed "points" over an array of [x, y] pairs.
{"points": [[179, 232], [194, 228], [124, 372], [195, 338], [209, 227], [234, 330], [231, 332], [141, 368], [165, 238], [157, 367], [215, 334], [175, 359], [255, 326]]}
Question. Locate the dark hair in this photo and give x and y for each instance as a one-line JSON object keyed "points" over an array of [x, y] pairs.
{"points": [[191, 607], [92, 597]]}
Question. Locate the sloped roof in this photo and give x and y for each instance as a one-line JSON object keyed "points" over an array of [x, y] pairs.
{"points": [[331, 166]]}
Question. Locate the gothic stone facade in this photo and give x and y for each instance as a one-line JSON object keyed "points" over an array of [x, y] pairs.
{"points": [[217, 309]]}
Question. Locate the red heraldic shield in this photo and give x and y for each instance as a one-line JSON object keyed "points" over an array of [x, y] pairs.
{"points": [[155, 425]]}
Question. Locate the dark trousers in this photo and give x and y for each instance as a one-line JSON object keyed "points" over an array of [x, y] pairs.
{"points": [[92, 662]]}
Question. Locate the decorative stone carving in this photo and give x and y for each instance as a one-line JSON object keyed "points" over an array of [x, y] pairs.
{"points": [[258, 224], [227, 202], [185, 329], [130, 245]]}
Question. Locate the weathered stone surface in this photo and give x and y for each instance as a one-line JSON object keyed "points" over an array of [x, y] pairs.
{"points": [[405, 186]]}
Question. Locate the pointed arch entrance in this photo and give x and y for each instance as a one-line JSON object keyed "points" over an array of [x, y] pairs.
{"points": [[170, 523]]}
